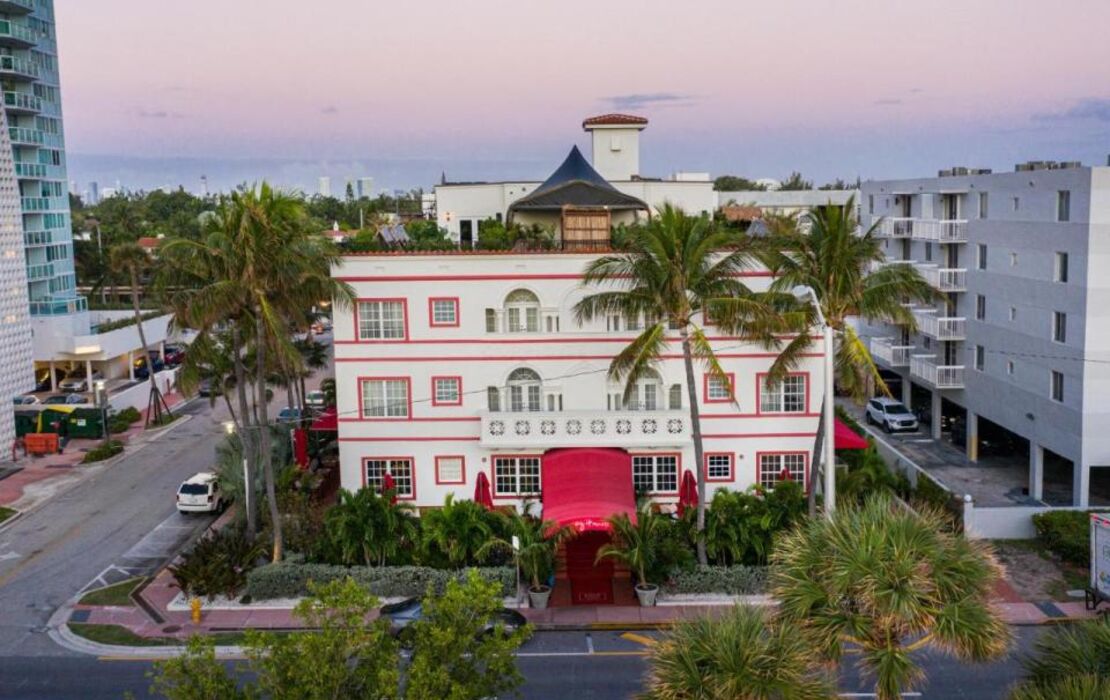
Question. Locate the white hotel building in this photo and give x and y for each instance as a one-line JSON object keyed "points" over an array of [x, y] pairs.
{"points": [[459, 363]]}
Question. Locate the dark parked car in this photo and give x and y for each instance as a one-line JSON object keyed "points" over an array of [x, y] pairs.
{"points": [[142, 366], [402, 615], [66, 399], [42, 378], [209, 387]]}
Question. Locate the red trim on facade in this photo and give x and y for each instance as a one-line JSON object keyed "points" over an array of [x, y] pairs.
{"points": [[678, 470], [412, 470], [537, 358], [493, 476], [733, 416], [436, 419], [412, 439], [729, 436], [372, 341], [541, 341], [731, 468], [759, 395], [494, 278], [432, 315], [458, 382], [408, 390], [705, 388], [805, 468], [451, 483]]}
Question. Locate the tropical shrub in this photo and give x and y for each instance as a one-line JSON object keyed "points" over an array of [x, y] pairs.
{"points": [[365, 528], [453, 536], [726, 580], [1067, 534], [290, 579], [103, 451], [1067, 661], [635, 544], [740, 526], [538, 542], [868, 474], [743, 655], [674, 546], [217, 564]]}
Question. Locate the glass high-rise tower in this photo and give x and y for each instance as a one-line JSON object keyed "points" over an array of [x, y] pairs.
{"points": [[32, 99]]}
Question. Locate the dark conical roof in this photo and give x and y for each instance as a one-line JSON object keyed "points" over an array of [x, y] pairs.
{"points": [[576, 183]]}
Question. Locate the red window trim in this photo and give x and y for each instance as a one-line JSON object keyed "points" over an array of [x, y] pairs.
{"points": [[759, 395], [731, 385], [372, 341], [678, 470], [458, 381], [805, 468], [408, 390], [432, 316], [440, 482], [538, 358], [412, 468], [731, 468], [493, 477]]}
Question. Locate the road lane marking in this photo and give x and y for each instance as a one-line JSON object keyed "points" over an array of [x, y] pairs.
{"points": [[639, 639], [589, 643]]}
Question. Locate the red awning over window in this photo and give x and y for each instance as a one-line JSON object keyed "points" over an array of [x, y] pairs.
{"points": [[846, 438], [583, 487]]}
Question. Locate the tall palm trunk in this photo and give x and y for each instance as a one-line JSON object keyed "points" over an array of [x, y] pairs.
{"points": [[246, 439], [264, 436], [695, 434], [815, 471], [155, 402]]}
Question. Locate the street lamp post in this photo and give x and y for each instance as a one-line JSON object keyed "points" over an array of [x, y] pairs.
{"points": [[100, 396], [806, 293]]}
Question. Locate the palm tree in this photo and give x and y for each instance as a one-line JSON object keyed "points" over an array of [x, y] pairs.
{"points": [[635, 544], [130, 259], [671, 272], [1069, 662], [538, 541], [881, 582], [369, 529], [835, 259], [743, 655], [456, 532]]}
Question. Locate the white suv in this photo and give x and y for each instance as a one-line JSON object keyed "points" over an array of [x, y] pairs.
{"points": [[200, 494], [890, 414]]}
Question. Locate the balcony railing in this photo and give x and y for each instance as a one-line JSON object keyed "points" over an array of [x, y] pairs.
{"points": [[59, 307], [36, 238], [22, 102], [30, 171], [15, 67], [39, 272], [546, 429], [925, 368], [17, 6], [12, 34], [884, 350], [896, 227], [945, 279], [941, 327], [21, 135], [940, 230]]}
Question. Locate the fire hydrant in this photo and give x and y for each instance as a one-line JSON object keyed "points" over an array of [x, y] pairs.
{"points": [[194, 605]]}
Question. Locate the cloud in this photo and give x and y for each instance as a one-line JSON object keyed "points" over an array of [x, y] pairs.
{"points": [[888, 102], [1090, 108], [330, 109], [648, 99]]}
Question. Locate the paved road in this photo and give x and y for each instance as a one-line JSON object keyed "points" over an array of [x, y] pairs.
{"points": [[110, 519], [595, 666]]}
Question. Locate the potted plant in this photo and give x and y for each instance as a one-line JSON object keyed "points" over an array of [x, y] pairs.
{"points": [[635, 546], [538, 540]]}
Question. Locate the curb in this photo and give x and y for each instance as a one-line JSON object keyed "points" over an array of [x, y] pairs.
{"points": [[11, 518]]}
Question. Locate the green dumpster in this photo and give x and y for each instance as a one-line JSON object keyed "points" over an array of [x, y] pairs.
{"points": [[26, 422], [85, 423], [55, 419]]}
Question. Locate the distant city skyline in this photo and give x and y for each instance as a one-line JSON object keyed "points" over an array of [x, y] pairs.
{"points": [[160, 93]]}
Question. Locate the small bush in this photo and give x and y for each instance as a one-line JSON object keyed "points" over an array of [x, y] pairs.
{"points": [[290, 579], [102, 452], [725, 580], [129, 414], [1066, 533], [217, 564]]}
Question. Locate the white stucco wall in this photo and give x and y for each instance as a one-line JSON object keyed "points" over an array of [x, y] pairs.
{"points": [[615, 151]]}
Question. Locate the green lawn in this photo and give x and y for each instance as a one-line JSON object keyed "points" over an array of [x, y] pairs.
{"points": [[121, 636], [116, 594], [5, 513]]}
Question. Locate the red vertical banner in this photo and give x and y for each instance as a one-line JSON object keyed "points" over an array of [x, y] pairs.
{"points": [[300, 447]]}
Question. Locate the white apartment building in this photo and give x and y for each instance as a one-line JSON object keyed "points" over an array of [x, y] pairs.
{"points": [[1021, 336]]}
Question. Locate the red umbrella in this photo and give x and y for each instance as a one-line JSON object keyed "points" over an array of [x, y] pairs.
{"points": [[388, 485], [300, 447], [482, 495], [687, 493]]}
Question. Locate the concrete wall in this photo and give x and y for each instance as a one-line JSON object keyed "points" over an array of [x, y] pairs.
{"points": [[138, 396], [615, 151], [1005, 523]]}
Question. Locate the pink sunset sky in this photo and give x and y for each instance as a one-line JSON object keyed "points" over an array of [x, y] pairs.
{"points": [[832, 88]]}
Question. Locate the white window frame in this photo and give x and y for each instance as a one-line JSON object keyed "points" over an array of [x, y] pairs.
{"points": [[1063, 206], [511, 471], [787, 397], [1059, 327], [719, 389], [771, 465], [447, 397], [445, 312], [656, 473], [401, 469], [1054, 379], [1060, 267], [717, 461], [381, 400], [373, 323]]}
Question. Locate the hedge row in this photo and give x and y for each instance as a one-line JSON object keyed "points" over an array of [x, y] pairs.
{"points": [[725, 580], [1066, 533], [290, 579]]}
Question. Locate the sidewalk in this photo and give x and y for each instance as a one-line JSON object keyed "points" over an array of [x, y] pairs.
{"points": [[39, 478]]}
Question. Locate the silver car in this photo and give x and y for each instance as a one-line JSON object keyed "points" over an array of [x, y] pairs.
{"points": [[892, 415]]}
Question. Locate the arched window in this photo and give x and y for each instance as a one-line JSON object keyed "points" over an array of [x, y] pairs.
{"points": [[646, 395], [524, 390], [522, 312]]}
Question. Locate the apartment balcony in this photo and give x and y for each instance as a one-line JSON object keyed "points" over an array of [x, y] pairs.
{"points": [[36, 273], [19, 69], [62, 307], [940, 327], [877, 265], [945, 279], [22, 103], [895, 227], [885, 351], [22, 136], [37, 238], [17, 7], [30, 171], [17, 36], [544, 429], [925, 368], [940, 230]]}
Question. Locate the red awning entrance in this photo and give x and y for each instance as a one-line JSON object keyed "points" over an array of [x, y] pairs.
{"points": [[583, 487], [844, 438]]}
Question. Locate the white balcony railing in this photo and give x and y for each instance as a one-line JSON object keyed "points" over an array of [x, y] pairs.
{"points": [[945, 279], [895, 227], [884, 350], [925, 368], [940, 230], [940, 327], [580, 428]]}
